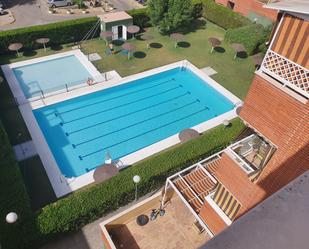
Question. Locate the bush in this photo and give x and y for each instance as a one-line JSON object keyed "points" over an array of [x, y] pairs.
{"points": [[197, 8], [59, 33], [14, 198], [81, 207], [253, 37], [140, 17], [223, 16]]}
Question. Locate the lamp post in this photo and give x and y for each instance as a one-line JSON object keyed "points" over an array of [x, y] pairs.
{"points": [[11, 218], [136, 180]]}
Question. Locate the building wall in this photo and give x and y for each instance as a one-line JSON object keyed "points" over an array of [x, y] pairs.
{"points": [[246, 6], [292, 40], [285, 121]]}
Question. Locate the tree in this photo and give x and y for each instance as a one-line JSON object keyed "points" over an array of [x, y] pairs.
{"points": [[179, 14], [156, 11]]}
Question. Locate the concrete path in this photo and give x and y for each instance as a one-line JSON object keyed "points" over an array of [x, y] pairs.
{"points": [[89, 237], [24, 150], [209, 71]]}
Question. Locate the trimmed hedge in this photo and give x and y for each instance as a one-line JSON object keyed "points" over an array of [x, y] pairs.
{"points": [[84, 206], [223, 16], [252, 37], [140, 17], [14, 198], [59, 33]]}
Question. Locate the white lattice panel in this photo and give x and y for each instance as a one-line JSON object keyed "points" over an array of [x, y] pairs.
{"points": [[288, 72]]}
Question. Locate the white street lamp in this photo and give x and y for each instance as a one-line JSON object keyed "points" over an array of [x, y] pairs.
{"points": [[11, 217], [136, 180]]}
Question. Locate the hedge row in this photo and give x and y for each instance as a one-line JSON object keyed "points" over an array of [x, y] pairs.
{"points": [[223, 16], [84, 206], [252, 37], [59, 33], [140, 17], [14, 198]]}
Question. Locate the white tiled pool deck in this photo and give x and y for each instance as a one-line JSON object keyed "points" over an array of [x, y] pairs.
{"points": [[63, 185]]}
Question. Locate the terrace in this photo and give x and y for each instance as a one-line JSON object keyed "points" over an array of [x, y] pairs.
{"points": [[176, 229], [252, 153]]}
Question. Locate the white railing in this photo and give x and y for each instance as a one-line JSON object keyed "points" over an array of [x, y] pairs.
{"points": [[287, 72], [41, 94]]}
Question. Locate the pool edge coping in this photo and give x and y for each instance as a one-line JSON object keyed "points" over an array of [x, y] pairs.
{"points": [[62, 185]]}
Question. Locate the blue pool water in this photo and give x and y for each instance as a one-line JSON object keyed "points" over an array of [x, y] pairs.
{"points": [[126, 118], [51, 75]]}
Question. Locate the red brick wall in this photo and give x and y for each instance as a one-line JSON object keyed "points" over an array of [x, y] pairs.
{"points": [[285, 121], [246, 6]]}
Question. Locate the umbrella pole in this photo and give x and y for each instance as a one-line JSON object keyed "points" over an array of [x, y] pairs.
{"points": [[148, 46], [128, 55], [212, 49], [44, 47], [17, 53]]}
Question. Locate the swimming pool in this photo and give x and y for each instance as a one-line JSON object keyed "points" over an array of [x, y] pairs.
{"points": [[51, 75], [124, 119]]}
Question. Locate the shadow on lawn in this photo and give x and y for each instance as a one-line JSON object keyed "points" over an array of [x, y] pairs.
{"points": [[219, 49], [56, 47], [184, 44], [139, 54], [29, 53], [194, 26], [242, 55], [155, 45]]}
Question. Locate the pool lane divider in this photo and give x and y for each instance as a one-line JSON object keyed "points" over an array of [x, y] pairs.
{"points": [[128, 114], [137, 123], [119, 106], [81, 157], [119, 96]]}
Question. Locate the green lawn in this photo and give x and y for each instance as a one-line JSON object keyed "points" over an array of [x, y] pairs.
{"points": [[235, 75]]}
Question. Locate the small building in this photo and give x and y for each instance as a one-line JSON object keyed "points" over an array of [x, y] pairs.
{"points": [[117, 22]]}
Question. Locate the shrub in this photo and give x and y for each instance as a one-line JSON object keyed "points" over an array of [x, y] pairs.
{"points": [[81, 207], [252, 37], [197, 8], [140, 17], [59, 33], [223, 16], [14, 198]]}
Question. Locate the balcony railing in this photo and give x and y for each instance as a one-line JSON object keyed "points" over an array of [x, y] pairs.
{"points": [[287, 72]]}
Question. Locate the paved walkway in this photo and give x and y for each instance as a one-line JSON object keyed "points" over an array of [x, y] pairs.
{"points": [[24, 150], [89, 237], [35, 12]]}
